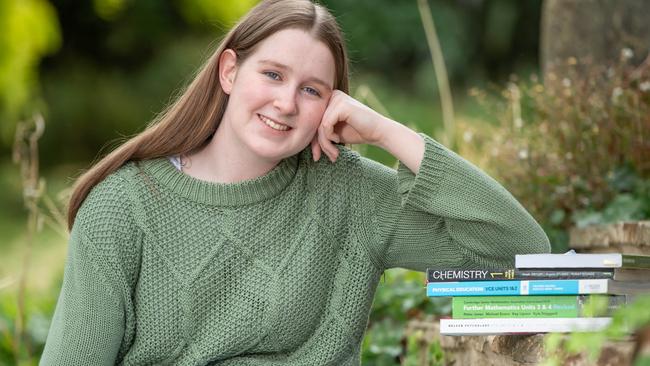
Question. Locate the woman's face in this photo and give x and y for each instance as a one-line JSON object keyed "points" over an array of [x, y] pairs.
{"points": [[278, 94]]}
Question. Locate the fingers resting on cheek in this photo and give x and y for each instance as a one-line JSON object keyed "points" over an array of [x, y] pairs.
{"points": [[326, 145], [315, 148]]}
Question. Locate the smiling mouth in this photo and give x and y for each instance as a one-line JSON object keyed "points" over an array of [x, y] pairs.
{"points": [[273, 124]]}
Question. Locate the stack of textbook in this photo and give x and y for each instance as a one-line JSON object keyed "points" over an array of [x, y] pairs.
{"points": [[543, 293]]}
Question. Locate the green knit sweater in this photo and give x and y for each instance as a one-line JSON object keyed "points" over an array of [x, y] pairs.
{"points": [[279, 270]]}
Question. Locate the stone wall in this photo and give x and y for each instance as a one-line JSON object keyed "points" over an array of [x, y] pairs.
{"points": [[623, 237]]}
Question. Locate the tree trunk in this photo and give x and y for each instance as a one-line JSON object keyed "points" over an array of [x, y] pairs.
{"points": [[583, 32]]}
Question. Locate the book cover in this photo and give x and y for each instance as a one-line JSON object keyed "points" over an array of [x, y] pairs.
{"points": [[575, 260], [536, 287], [489, 326], [477, 307], [456, 275]]}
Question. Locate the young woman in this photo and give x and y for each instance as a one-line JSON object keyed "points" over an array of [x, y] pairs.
{"points": [[219, 235]]}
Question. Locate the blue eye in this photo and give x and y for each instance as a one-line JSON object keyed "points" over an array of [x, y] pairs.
{"points": [[273, 75], [312, 91]]}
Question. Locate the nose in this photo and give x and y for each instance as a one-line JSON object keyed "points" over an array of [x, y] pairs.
{"points": [[285, 101]]}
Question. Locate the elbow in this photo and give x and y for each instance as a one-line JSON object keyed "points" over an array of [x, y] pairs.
{"points": [[537, 242]]}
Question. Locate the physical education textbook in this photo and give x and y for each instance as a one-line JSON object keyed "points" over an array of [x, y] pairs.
{"points": [[537, 287], [455, 275], [491, 326], [478, 307], [575, 260]]}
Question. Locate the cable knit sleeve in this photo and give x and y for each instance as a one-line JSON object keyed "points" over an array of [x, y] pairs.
{"points": [[450, 214], [88, 326]]}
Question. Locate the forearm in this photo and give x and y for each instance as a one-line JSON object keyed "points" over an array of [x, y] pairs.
{"points": [[453, 215], [403, 143]]}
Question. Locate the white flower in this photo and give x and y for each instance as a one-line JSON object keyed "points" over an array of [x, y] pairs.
{"points": [[523, 154], [566, 82], [626, 54], [616, 93], [644, 86], [467, 136]]}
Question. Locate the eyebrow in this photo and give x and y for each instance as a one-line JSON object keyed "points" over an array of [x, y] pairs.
{"points": [[286, 67]]}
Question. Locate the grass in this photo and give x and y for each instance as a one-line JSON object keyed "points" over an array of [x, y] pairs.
{"points": [[50, 247]]}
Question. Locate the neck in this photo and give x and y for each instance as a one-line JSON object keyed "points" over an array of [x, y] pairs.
{"points": [[225, 160]]}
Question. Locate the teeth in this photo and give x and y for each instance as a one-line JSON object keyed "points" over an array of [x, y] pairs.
{"points": [[273, 125]]}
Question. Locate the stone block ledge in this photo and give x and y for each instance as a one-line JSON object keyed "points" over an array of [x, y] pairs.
{"points": [[507, 350], [628, 237]]}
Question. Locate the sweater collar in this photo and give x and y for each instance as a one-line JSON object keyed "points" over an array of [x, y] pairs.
{"points": [[222, 194]]}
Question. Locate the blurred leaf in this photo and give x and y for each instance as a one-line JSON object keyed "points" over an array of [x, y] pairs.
{"points": [[642, 360], [623, 178], [557, 217], [109, 9], [587, 218], [29, 30], [570, 155], [625, 320], [381, 345], [223, 12], [39, 308], [596, 306], [624, 207]]}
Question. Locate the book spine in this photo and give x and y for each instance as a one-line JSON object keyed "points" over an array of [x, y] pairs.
{"points": [[636, 261], [452, 275], [488, 326], [607, 260], [476, 307], [632, 274], [503, 288]]}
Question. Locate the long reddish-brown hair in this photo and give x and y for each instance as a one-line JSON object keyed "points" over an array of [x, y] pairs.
{"points": [[190, 121]]}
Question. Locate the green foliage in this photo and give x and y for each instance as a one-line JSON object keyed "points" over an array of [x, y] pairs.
{"points": [[29, 30], [223, 12], [83, 121], [643, 360], [630, 201], [109, 9], [477, 37], [123, 62], [574, 150], [625, 320], [421, 352], [400, 297], [39, 307], [381, 345]]}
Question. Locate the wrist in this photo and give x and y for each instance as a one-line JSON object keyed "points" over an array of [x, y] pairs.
{"points": [[403, 143], [394, 134], [387, 130]]}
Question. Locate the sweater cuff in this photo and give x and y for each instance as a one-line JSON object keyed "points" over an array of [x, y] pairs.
{"points": [[421, 189]]}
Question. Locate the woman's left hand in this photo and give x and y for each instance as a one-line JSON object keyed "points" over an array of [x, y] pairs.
{"points": [[348, 121]]}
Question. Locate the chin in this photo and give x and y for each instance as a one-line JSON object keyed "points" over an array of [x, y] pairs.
{"points": [[274, 153]]}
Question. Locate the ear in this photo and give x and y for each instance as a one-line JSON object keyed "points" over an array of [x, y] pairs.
{"points": [[227, 70]]}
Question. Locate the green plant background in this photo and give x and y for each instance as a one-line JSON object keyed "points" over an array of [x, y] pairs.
{"points": [[99, 70]]}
